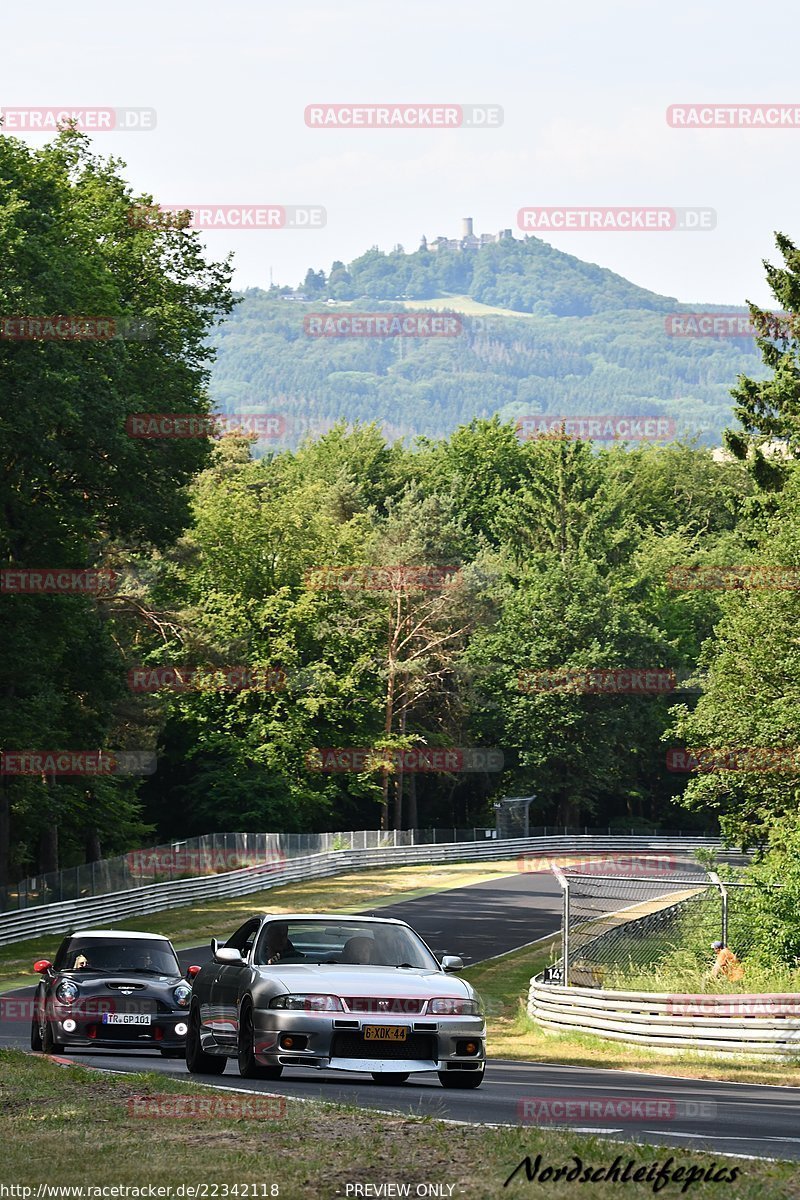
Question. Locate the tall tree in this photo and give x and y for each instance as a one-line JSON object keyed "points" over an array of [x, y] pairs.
{"points": [[769, 409], [74, 483]]}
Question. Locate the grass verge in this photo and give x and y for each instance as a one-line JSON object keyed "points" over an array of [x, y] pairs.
{"points": [[216, 918], [74, 1126], [503, 983]]}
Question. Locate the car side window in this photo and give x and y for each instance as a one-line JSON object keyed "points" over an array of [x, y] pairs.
{"points": [[61, 955], [244, 937]]}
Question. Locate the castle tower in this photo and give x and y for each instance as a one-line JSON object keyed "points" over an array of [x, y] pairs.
{"points": [[466, 227]]}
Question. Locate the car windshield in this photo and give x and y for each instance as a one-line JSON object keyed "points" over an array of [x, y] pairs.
{"points": [[135, 955], [346, 943]]}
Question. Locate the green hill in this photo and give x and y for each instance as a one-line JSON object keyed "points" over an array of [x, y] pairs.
{"points": [[540, 332]]}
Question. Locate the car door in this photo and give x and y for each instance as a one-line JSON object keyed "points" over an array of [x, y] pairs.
{"points": [[43, 996], [226, 986]]}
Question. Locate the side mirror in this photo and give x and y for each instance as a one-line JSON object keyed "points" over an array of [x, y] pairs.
{"points": [[227, 954], [42, 966], [214, 945], [451, 962], [191, 972]]}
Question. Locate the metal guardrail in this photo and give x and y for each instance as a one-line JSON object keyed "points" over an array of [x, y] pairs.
{"points": [[764, 1026], [100, 910], [219, 853]]}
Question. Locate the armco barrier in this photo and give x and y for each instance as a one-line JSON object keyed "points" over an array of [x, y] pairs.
{"points": [[713, 1024], [116, 906]]}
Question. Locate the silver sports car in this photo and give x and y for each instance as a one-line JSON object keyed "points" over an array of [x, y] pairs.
{"points": [[336, 993]]}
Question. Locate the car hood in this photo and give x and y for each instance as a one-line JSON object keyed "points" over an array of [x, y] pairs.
{"points": [[94, 980], [365, 981]]}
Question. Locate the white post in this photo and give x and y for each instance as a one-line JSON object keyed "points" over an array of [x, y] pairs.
{"points": [[564, 882]]}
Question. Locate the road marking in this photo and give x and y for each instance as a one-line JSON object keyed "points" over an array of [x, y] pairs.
{"points": [[587, 1129], [687, 1079], [722, 1137]]}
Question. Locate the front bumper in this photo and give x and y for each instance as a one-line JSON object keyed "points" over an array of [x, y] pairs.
{"points": [[331, 1043], [166, 1031]]}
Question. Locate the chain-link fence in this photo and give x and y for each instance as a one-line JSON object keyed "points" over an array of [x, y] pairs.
{"points": [[217, 853], [638, 930], [213, 854]]}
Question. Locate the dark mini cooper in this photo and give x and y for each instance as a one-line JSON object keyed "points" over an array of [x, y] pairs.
{"points": [[112, 989]]}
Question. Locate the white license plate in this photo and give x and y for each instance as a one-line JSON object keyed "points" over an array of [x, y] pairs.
{"points": [[127, 1019]]}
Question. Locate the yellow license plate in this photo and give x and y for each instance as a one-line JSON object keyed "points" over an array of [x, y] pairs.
{"points": [[385, 1033]]}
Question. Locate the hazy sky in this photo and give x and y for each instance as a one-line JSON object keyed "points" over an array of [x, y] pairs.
{"points": [[584, 88]]}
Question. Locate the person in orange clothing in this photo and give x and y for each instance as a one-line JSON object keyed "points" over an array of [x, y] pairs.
{"points": [[726, 964]]}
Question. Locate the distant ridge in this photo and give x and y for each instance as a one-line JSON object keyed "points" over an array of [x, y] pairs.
{"points": [[542, 332]]}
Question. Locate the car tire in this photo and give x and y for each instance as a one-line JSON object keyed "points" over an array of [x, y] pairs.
{"points": [[49, 1044], [248, 1067], [390, 1078], [461, 1079], [36, 1034], [197, 1061]]}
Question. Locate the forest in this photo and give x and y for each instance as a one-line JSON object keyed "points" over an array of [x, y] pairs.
{"points": [[537, 332], [365, 631]]}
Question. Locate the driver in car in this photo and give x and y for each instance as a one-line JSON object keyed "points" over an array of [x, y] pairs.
{"points": [[358, 950], [279, 947]]}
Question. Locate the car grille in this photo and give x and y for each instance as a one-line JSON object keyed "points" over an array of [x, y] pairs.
{"points": [[353, 1045], [395, 1005], [128, 1004], [125, 1033]]}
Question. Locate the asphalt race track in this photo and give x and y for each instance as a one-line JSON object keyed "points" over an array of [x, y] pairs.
{"points": [[479, 922]]}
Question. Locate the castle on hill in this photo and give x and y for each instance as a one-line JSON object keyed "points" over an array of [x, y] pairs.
{"points": [[468, 239]]}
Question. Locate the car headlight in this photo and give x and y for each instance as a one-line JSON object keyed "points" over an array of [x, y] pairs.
{"points": [[67, 991], [452, 1006], [182, 993], [308, 1002]]}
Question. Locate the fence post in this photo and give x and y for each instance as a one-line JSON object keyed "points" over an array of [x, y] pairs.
{"points": [[564, 882], [723, 891]]}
